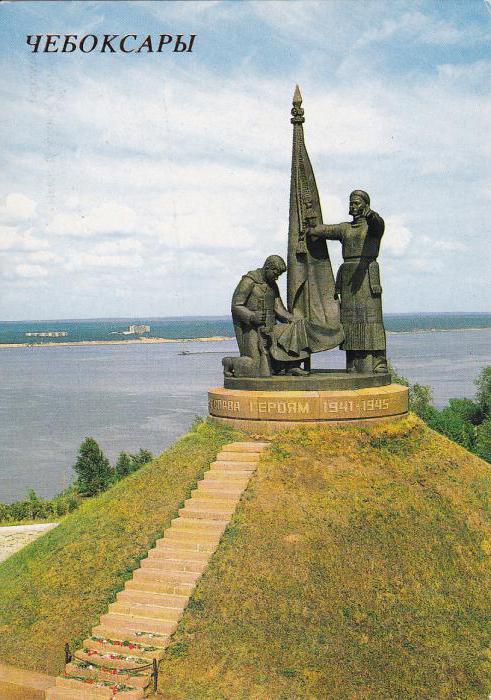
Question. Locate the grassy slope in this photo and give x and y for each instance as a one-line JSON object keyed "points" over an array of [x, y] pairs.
{"points": [[357, 567], [54, 590]]}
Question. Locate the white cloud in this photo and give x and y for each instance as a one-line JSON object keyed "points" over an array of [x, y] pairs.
{"points": [[107, 218], [13, 239], [427, 264], [421, 28], [44, 256], [83, 261], [198, 220], [449, 246], [25, 270], [117, 247], [397, 236], [18, 207]]}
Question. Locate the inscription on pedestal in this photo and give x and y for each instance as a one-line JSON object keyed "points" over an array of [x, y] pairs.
{"points": [[304, 406], [227, 405], [285, 408]]}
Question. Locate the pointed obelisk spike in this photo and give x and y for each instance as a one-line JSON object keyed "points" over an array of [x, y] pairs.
{"points": [[297, 111]]}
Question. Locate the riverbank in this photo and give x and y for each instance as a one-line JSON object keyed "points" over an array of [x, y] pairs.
{"points": [[133, 341]]}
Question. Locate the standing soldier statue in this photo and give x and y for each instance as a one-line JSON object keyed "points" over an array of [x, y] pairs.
{"points": [[358, 284]]}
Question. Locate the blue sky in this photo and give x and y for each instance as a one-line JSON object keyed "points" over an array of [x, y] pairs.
{"points": [[148, 184]]}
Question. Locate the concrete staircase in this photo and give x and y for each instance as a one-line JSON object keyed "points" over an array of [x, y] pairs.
{"points": [[116, 660]]}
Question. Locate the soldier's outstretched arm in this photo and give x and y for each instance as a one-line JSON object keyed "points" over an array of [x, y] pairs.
{"points": [[333, 232]]}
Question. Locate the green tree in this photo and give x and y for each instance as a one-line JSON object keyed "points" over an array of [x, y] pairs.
{"points": [[483, 440], [34, 503], [468, 410], [453, 426], [420, 400], [124, 465], [94, 471], [142, 457]]}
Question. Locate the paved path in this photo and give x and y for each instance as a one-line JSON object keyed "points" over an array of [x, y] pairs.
{"points": [[14, 537]]}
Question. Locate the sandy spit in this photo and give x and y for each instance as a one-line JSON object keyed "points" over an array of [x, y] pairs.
{"points": [[138, 341]]}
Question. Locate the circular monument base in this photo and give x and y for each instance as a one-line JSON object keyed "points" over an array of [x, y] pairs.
{"points": [[317, 380], [269, 411]]}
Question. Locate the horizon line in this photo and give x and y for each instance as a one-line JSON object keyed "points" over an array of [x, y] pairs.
{"points": [[223, 316]]}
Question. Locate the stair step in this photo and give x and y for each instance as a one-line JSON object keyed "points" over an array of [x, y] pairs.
{"points": [[201, 524], [243, 471], [173, 565], [90, 690], [210, 489], [109, 659], [234, 466], [176, 554], [115, 645], [138, 623], [176, 545], [238, 478], [158, 586], [198, 513], [166, 575], [159, 612], [151, 639], [107, 674], [228, 486], [236, 456], [174, 534], [169, 601], [245, 447], [215, 502]]}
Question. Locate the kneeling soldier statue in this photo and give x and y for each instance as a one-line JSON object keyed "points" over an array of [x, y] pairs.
{"points": [[265, 348]]}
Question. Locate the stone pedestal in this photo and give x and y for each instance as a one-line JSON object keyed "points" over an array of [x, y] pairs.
{"points": [[263, 412]]}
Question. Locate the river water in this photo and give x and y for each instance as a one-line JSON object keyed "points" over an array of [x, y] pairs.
{"points": [[132, 396]]}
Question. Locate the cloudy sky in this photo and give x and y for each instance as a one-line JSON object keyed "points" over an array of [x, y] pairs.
{"points": [[147, 184]]}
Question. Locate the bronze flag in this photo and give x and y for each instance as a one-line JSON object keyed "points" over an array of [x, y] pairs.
{"points": [[310, 280]]}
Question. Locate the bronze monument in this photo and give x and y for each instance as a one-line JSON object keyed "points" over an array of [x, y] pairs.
{"points": [[322, 313], [272, 384]]}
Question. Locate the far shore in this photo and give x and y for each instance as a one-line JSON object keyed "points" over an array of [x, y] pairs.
{"points": [[212, 339], [131, 341]]}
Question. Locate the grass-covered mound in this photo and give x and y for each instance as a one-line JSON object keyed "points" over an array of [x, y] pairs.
{"points": [[357, 567], [55, 589]]}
